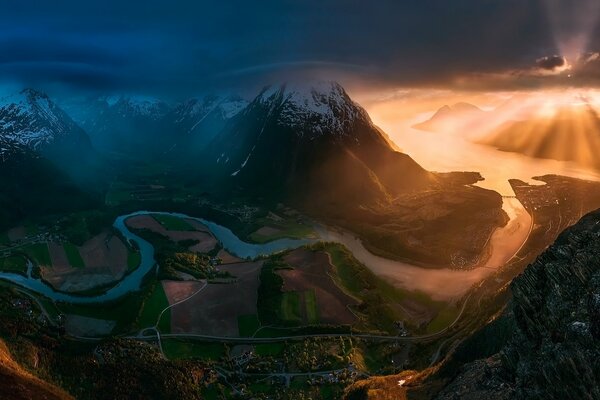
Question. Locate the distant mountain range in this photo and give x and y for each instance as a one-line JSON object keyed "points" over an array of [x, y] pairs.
{"points": [[148, 126]]}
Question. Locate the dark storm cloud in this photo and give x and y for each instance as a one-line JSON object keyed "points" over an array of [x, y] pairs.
{"points": [[178, 47], [550, 62]]}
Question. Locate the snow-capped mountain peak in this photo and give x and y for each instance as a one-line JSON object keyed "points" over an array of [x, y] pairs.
{"points": [[317, 108], [31, 119], [137, 105]]}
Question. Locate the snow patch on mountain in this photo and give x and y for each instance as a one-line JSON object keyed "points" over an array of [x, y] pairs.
{"points": [[137, 105]]}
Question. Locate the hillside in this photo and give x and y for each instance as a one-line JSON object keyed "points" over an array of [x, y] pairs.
{"points": [[18, 384]]}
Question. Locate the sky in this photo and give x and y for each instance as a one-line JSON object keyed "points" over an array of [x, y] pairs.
{"points": [[178, 48]]}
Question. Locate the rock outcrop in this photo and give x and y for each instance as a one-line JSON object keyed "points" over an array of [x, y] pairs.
{"points": [[554, 351]]}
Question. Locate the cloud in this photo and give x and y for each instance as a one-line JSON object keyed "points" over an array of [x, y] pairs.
{"points": [[551, 63], [185, 47]]}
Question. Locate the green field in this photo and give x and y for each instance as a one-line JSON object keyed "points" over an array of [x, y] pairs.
{"points": [[172, 223], [290, 307], [117, 195], [13, 264], [39, 253], [180, 349], [443, 319], [4, 239], [269, 349], [73, 255], [312, 311], [123, 311], [134, 259], [248, 324], [153, 305], [287, 229]]}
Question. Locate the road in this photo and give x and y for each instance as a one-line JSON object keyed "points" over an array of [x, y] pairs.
{"points": [[231, 339], [155, 327]]}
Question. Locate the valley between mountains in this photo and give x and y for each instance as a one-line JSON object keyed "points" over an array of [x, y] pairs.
{"points": [[271, 246]]}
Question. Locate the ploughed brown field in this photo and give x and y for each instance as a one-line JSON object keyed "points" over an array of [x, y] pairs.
{"points": [[180, 290], [105, 259], [215, 310], [206, 241], [311, 271], [267, 231], [228, 258]]}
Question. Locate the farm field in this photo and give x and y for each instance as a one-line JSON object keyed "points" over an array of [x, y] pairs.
{"points": [[216, 310], [319, 298], [181, 350], [184, 231], [101, 260], [172, 223], [280, 227], [153, 305], [13, 264]]}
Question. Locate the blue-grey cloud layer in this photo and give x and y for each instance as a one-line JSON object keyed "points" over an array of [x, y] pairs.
{"points": [[179, 46]]}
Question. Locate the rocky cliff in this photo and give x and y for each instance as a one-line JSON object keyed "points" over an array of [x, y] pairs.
{"points": [[554, 350]]}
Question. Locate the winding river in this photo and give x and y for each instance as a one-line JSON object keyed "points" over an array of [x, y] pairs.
{"points": [[133, 281], [440, 284]]}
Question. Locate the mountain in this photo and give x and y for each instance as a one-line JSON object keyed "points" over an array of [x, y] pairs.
{"points": [[196, 122], [124, 123], [314, 148], [304, 139], [30, 119], [571, 134], [26, 177], [43, 154], [455, 118]]}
